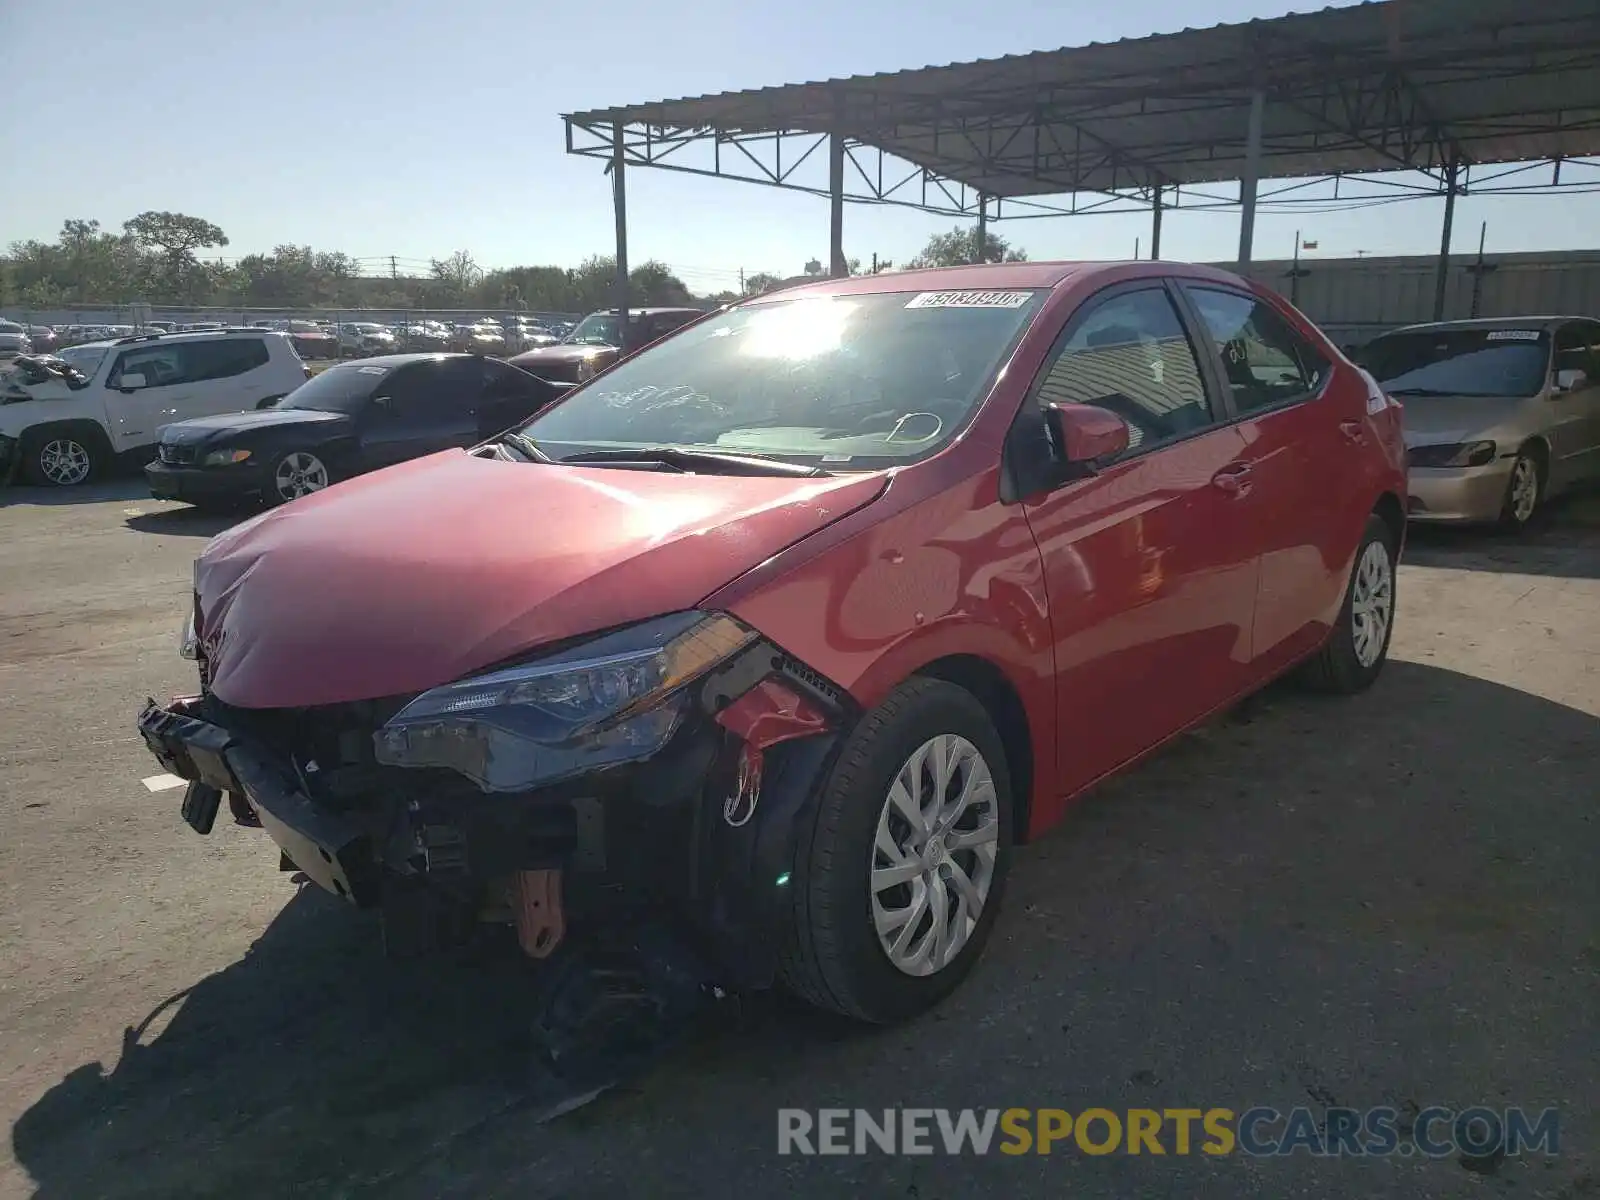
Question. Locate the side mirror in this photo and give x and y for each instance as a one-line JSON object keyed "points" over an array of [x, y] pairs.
{"points": [[132, 382], [1082, 433], [1571, 379]]}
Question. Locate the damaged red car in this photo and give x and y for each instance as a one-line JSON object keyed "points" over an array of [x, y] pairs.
{"points": [[791, 627]]}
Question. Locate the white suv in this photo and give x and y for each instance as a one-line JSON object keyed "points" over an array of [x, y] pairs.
{"points": [[61, 430]]}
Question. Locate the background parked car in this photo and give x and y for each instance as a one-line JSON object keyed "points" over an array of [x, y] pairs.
{"points": [[1500, 415], [61, 432], [43, 339], [595, 342], [349, 419], [14, 340], [361, 338]]}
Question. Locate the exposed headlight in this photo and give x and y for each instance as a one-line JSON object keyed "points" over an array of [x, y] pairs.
{"points": [[615, 699], [1455, 454], [223, 458]]}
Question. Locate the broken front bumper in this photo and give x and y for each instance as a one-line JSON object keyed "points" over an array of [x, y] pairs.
{"points": [[706, 829]]}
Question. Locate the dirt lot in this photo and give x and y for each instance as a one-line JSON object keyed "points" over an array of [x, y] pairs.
{"points": [[1387, 901]]}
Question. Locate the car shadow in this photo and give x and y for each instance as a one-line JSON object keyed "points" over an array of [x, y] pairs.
{"points": [[1244, 919], [115, 487], [1564, 541], [185, 521]]}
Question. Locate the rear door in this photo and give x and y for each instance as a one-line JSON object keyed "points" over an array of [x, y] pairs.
{"points": [[1303, 457], [422, 408], [1149, 565], [227, 374]]}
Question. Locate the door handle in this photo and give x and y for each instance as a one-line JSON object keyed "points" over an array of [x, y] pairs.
{"points": [[1353, 431], [1234, 479]]}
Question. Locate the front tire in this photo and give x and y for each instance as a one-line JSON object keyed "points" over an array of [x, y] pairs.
{"points": [[1353, 656], [63, 459], [898, 880], [296, 473], [1524, 490]]}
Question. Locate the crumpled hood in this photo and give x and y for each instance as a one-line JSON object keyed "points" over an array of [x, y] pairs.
{"points": [[411, 577]]}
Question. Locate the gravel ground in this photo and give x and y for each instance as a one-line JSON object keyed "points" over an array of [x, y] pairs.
{"points": [[1391, 900]]}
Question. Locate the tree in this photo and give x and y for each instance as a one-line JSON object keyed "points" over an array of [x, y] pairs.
{"points": [[761, 281], [959, 247], [456, 277], [172, 239], [654, 283]]}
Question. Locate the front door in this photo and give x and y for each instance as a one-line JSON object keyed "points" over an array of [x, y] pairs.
{"points": [[136, 410], [1303, 445], [1149, 567], [1573, 406], [423, 408]]}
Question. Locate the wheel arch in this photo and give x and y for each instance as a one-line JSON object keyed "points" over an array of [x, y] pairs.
{"points": [[994, 690], [86, 428], [1393, 514]]}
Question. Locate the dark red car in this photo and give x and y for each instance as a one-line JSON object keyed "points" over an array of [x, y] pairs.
{"points": [[796, 623]]}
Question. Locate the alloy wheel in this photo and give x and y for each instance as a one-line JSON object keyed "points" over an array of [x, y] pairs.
{"points": [[299, 474], [64, 462], [933, 857], [1372, 603], [1524, 489]]}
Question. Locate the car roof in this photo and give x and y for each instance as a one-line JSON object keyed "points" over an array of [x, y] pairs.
{"points": [[638, 312], [400, 360], [993, 276], [1542, 322]]}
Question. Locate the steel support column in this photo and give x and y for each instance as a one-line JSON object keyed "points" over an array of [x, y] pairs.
{"points": [[1155, 223], [983, 229], [619, 200], [837, 267], [1441, 275], [1252, 171]]}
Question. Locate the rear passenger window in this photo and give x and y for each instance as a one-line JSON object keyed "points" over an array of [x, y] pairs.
{"points": [[1130, 355], [225, 357], [1266, 362]]}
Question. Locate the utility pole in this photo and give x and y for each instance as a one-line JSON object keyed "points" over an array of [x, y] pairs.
{"points": [[874, 262], [394, 269], [741, 281], [1479, 269]]}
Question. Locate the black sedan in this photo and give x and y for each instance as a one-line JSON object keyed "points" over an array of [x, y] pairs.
{"points": [[351, 418]]}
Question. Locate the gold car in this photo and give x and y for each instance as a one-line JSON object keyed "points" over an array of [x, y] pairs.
{"points": [[1500, 415]]}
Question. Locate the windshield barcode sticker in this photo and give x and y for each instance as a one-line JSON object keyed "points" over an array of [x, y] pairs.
{"points": [[1513, 335], [969, 299]]}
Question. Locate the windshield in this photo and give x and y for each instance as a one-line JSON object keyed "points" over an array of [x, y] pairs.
{"points": [[342, 389], [1460, 362], [597, 329], [850, 381], [86, 358]]}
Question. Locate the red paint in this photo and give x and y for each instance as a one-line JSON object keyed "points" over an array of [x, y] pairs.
{"points": [[1088, 433], [410, 577], [770, 713], [1119, 608]]}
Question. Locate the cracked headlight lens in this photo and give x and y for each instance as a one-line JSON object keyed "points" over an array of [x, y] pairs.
{"points": [[617, 698]]}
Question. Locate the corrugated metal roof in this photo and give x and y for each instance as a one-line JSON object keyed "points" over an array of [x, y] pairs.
{"points": [[1385, 85]]}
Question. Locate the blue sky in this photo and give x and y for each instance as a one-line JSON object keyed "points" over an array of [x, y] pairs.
{"points": [[416, 129]]}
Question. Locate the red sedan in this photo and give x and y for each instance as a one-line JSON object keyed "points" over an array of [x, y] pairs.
{"points": [[796, 623]]}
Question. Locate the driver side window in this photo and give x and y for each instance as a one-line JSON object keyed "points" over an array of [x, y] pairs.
{"points": [[1131, 356], [161, 366]]}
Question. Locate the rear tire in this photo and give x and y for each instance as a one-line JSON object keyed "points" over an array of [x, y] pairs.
{"points": [[834, 955], [1353, 656]]}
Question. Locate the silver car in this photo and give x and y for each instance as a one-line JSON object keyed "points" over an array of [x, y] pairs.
{"points": [[1500, 415], [13, 339]]}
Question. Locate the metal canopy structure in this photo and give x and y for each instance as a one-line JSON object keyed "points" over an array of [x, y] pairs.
{"points": [[1386, 99]]}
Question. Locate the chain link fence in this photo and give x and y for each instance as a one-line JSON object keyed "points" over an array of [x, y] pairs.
{"points": [[326, 332]]}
